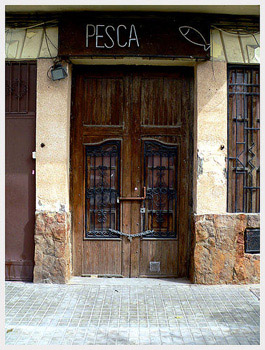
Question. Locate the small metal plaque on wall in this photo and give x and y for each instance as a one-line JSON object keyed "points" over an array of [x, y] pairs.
{"points": [[252, 240]]}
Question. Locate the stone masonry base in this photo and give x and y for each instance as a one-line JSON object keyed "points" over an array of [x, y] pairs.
{"points": [[52, 247], [218, 254]]}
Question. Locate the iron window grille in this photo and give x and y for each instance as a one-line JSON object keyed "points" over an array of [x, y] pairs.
{"points": [[160, 179], [243, 168], [102, 183], [20, 86]]}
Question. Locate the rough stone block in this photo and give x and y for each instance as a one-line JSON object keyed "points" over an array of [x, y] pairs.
{"points": [[253, 221], [60, 217], [218, 250], [52, 247]]}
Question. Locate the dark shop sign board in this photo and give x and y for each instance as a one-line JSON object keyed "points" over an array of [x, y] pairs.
{"points": [[178, 36]]}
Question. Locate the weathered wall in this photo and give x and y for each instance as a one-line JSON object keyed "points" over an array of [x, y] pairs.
{"points": [[233, 48], [53, 130], [218, 250], [217, 254], [31, 43], [52, 235], [211, 110]]}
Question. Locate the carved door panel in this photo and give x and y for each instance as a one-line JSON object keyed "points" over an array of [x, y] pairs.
{"points": [[130, 183]]}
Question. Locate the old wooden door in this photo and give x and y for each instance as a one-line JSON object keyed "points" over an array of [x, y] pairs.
{"points": [[131, 170]]}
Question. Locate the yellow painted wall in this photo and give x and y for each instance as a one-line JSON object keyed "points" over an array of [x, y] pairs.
{"points": [[211, 110], [31, 43], [52, 129]]}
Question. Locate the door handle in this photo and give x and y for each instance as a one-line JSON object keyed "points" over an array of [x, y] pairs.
{"points": [[134, 198]]}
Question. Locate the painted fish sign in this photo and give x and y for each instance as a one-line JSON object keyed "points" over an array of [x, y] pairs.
{"points": [[194, 36], [161, 36]]}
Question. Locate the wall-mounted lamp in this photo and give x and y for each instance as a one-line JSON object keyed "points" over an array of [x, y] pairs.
{"points": [[58, 72]]}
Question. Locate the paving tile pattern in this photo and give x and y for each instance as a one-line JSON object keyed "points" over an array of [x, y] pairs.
{"points": [[256, 292], [144, 312]]}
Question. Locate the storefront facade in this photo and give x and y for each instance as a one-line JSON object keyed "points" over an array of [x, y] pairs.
{"points": [[138, 138]]}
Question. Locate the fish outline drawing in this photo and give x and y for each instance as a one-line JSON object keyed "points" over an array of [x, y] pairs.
{"points": [[186, 30]]}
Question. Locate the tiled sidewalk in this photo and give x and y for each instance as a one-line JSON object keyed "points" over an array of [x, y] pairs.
{"points": [[130, 311]]}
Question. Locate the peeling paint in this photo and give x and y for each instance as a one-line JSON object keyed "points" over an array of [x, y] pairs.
{"points": [[31, 34]]}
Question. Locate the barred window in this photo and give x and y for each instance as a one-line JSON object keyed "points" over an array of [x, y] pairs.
{"points": [[243, 169]]}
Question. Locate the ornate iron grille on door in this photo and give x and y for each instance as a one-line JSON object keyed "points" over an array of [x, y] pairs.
{"points": [[20, 87], [244, 139], [160, 179], [102, 184]]}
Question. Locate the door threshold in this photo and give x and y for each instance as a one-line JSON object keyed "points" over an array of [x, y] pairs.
{"points": [[102, 276], [126, 281]]}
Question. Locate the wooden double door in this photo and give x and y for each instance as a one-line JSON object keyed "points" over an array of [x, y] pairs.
{"points": [[131, 170]]}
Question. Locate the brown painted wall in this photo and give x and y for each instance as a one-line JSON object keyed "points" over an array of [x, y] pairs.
{"points": [[20, 129], [218, 250]]}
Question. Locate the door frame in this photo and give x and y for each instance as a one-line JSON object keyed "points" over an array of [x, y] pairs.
{"points": [[184, 259]]}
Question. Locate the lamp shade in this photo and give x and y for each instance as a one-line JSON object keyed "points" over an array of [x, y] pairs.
{"points": [[58, 72]]}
